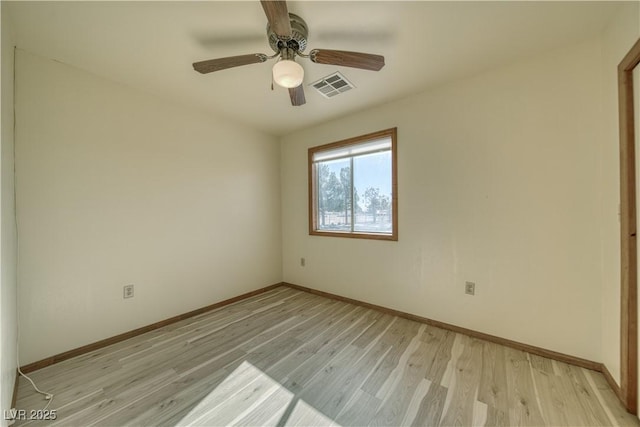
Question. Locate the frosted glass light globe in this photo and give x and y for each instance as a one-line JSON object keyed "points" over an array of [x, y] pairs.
{"points": [[287, 73]]}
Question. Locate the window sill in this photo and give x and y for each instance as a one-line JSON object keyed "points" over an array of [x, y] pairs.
{"points": [[355, 235]]}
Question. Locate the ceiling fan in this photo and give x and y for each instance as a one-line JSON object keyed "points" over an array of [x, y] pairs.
{"points": [[287, 34]]}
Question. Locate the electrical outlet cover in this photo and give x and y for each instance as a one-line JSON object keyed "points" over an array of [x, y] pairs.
{"points": [[128, 291], [470, 288]]}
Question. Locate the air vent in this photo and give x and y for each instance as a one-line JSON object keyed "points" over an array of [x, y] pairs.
{"points": [[332, 85]]}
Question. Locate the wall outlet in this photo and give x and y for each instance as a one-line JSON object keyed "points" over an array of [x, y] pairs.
{"points": [[128, 292], [470, 288], [303, 262]]}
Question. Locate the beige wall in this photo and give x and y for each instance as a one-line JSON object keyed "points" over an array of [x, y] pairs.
{"points": [[118, 187], [498, 185], [8, 311], [618, 38]]}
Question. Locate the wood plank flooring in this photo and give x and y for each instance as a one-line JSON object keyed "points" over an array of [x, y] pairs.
{"points": [[288, 357]]}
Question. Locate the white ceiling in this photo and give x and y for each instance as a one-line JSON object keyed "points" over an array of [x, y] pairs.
{"points": [[151, 46]]}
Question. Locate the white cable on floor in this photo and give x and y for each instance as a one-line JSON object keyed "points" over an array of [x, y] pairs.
{"points": [[48, 396]]}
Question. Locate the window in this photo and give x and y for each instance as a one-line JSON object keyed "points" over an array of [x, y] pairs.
{"points": [[353, 187]]}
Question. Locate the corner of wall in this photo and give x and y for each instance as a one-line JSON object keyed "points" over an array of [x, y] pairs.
{"points": [[8, 294]]}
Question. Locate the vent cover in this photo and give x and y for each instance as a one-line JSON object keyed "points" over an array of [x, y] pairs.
{"points": [[332, 85]]}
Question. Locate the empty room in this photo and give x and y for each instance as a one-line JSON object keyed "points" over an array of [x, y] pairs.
{"points": [[317, 213]]}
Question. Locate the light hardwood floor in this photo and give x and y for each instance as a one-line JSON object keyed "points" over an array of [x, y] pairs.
{"points": [[288, 357]]}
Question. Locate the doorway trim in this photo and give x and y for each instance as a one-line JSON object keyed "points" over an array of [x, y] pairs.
{"points": [[628, 241]]}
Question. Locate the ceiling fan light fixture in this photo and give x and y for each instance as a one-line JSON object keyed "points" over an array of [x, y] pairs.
{"points": [[288, 73]]}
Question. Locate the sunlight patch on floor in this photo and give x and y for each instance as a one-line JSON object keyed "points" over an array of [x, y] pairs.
{"points": [[248, 396]]}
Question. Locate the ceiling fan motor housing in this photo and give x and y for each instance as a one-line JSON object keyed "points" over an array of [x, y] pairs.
{"points": [[298, 40]]}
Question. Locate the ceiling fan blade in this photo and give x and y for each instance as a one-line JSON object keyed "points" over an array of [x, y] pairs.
{"points": [[211, 65], [366, 61], [297, 96], [278, 17]]}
